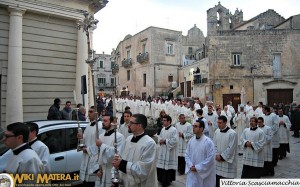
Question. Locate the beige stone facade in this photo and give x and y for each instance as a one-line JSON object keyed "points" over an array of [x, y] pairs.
{"points": [[261, 54], [150, 59], [104, 78], [42, 55]]}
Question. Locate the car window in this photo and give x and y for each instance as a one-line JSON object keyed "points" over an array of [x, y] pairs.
{"points": [[72, 136], [3, 148], [54, 139]]}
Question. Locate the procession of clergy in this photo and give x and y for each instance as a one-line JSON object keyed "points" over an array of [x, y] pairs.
{"points": [[198, 142]]}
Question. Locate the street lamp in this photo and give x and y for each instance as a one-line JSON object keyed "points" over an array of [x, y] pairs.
{"points": [[114, 71], [89, 24]]}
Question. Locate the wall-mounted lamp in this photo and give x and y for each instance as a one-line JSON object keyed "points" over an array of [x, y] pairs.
{"points": [[218, 85]]}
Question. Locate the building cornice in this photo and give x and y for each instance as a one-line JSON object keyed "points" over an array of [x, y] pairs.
{"points": [[57, 7], [279, 81]]}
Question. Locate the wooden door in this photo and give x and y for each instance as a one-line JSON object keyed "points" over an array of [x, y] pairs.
{"points": [[182, 88], [235, 98], [284, 96], [189, 89]]}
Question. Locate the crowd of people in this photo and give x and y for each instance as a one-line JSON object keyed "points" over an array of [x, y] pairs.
{"points": [[259, 134], [122, 150]]}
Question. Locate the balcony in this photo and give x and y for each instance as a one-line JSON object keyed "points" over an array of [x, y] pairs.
{"points": [[142, 57], [198, 79], [127, 62], [106, 85]]}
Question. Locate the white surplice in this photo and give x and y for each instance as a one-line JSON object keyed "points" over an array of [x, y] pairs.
{"points": [[226, 146], [124, 130], [253, 156], [241, 121], [89, 163], [141, 163], [187, 130], [25, 162], [167, 153], [212, 118], [106, 155], [43, 152], [201, 154], [271, 120], [284, 130], [268, 144]]}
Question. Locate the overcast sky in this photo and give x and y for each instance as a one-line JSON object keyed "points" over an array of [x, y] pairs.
{"points": [[122, 17]]}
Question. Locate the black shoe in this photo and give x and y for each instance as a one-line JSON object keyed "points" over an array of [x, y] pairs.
{"points": [[240, 154]]}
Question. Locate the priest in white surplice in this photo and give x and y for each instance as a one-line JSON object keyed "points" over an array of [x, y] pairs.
{"points": [[107, 151], [268, 165], [225, 140], [211, 118], [271, 120], [284, 133], [137, 165], [38, 146], [200, 159], [185, 133], [24, 160], [89, 164], [241, 122], [253, 141], [167, 152], [200, 116], [124, 127]]}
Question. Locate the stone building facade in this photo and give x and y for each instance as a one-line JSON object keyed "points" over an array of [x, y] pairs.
{"points": [[150, 59], [42, 55], [104, 78], [261, 54]]}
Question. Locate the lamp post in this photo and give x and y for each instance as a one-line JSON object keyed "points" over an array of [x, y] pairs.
{"points": [[89, 24], [114, 71]]}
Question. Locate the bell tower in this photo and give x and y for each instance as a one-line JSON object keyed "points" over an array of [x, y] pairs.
{"points": [[217, 19]]}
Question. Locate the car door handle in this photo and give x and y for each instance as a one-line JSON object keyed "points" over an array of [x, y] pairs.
{"points": [[59, 158]]}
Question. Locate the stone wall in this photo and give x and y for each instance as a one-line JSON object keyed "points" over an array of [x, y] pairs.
{"points": [[257, 49]]}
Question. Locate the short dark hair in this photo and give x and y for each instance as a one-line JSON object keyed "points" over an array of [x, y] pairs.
{"points": [[142, 119], [19, 128], [255, 119], [127, 107], [267, 108], [33, 127], [79, 105], [111, 118], [68, 102], [223, 118], [261, 118], [168, 118], [56, 100], [181, 115], [201, 123], [128, 112], [199, 111]]}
